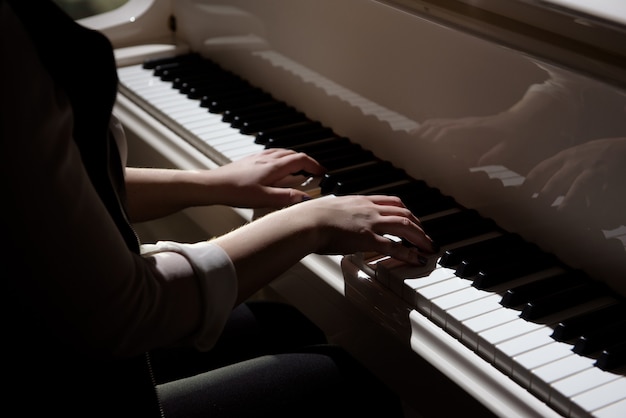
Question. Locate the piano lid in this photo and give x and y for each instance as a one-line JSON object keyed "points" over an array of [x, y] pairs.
{"points": [[589, 36]]}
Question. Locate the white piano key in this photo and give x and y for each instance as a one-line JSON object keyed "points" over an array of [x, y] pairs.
{"points": [[456, 316], [564, 390], [472, 327], [410, 286], [505, 351], [615, 410], [598, 397], [441, 305], [530, 360], [426, 294], [395, 274], [245, 151], [544, 376], [488, 339], [201, 123], [212, 129]]}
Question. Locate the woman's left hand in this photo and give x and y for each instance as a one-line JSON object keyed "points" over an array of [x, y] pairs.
{"points": [[264, 180]]}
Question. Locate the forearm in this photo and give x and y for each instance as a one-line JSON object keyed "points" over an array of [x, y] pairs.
{"points": [[267, 247], [153, 193]]}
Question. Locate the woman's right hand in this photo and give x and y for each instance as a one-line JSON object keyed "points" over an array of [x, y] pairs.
{"points": [[265, 248], [350, 224]]}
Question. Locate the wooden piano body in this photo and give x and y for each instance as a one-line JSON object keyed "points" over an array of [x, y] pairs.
{"points": [[502, 86]]}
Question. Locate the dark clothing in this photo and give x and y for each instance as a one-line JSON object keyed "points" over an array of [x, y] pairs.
{"points": [[269, 361]]}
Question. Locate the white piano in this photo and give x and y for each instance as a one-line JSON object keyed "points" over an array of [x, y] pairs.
{"points": [[504, 123]]}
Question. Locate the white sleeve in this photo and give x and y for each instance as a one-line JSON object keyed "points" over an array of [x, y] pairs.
{"points": [[217, 281]]}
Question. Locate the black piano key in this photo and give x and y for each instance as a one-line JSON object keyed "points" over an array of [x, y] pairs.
{"points": [[282, 119], [373, 180], [578, 325], [454, 256], [326, 147], [253, 111], [198, 86], [421, 199], [562, 300], [184, 82], [264, 137], [337, 161], [151, 63], [179, 72], [331, 180], [234, 100], [546, 286], [601, 338], [215, 89], [457, 226], [312, 135], [431, 203], [612, 357], [512, 267]]}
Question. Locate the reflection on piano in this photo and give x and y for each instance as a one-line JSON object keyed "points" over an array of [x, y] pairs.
{"points": [[511, 160]]}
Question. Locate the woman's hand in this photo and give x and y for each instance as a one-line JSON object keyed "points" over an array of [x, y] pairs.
{"points": [[264, 180], [350, 224], [268, 246]]}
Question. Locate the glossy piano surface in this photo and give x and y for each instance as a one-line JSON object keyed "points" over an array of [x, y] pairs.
{"points": [[529, 134]]}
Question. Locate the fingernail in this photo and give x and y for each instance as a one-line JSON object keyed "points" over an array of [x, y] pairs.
{"points": [[306, 197]]}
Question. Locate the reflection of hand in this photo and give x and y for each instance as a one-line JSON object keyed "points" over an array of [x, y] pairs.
{"points": [[470, 137], [538, 125], [587, 176]]}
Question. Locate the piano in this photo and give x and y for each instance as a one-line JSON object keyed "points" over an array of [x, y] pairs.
{"points": [[502, 125]]}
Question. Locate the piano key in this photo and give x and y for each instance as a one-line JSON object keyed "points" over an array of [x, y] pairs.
{"points": [[471, 328], [524, 363], [598, 397], [507, 350], [299, 138], [559, 301], [233, 100], [614, 410], [580, 324], [426, 295], [456, 316], [603, 336], [544, 376], [457, 226], [490, 338], [524, 293], [332, 179], [454, 257], [253, 126], [274, 134], [612, 357], [564, 390], [153, 62], [406, 280], [262, 112], [511, 268], [351, 159]]}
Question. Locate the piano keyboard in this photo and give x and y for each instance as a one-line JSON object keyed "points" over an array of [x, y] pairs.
{"points": [[552, 330]]}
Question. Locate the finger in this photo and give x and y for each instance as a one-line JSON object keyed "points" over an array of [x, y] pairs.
{"points": [[297, 162], [398, 251], [407, 229], [278, 197]]}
